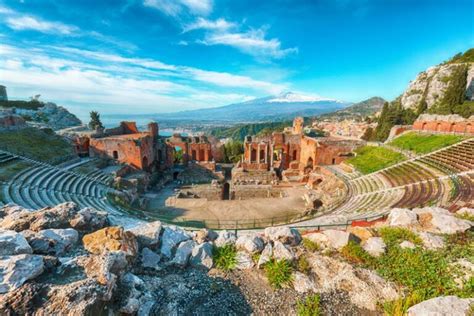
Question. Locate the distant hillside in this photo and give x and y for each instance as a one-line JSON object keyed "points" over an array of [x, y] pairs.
{"points": [[357, 110], [273, 108], [239, 132]]}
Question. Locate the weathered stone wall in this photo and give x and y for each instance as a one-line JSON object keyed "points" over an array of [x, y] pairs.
{"points": [[241, 176], [444, 124], [245, 192], [211, 192]]}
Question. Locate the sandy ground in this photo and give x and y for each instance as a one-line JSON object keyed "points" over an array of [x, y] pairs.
{"points": [[242, 210]]}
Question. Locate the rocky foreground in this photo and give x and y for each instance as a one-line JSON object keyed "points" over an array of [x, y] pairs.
{"points": [[63, 260]]}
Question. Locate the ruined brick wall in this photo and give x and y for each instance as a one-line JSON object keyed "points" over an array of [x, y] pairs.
{"points": [[245, 192], [123, 129], [444, 124], [397, 130], [136, 151]]}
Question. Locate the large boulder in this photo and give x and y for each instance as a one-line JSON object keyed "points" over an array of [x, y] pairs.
{"points": [[364, 287], [55, 217], [338, 238], [172, 237], [363, 233], [201, 256], [265, 256], [319, 238], [89, 220], [183, 253], [52, 241], [442, 306], [111, 239], [13, 243], [284, 234], [375, 246], [431, 241], [16, 270], [225, 238], [106, 267], [149, 259], [244, 260], [282, 252], [302, 283], [205, 235], [439, 220], [148, 235], [250, 243], [402, 217]]}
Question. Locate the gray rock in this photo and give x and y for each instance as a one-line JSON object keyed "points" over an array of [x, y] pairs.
{"points": [[265, 256], [282, 252], [431, 241], [16, 270], [302, 283], [53, 241], [466, 210], [171, 238], [442, 221], [89, 220], [338, 238], [148, 235], [201, 256], [13, 243], [149, 259], [375, 246], [183, 253], [442, 306], [225, 238], [244, 260], [250, 243], [407, 245], [402, 217], [284, 234]]}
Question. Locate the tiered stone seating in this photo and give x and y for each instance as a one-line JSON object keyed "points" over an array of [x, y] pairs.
{"points": [[6, 157]]}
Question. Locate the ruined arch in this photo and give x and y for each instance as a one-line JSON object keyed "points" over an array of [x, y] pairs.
{"points": [[423, 126], [115, 154], [452, 127], [309, 165], [226, 191], [202, 157], [262, 155], [295, 154], [253, 155], [193, 155], [144, 162], [438, 127]]}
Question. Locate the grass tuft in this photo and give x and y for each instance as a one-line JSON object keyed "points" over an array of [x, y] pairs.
{"points": [[394, 235], [354, 253], [225, 257], [310, 245], [279, 273], [309, 306]]}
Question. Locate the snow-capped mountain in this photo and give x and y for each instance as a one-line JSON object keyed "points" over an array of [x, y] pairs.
{"points": [[280, 107]]}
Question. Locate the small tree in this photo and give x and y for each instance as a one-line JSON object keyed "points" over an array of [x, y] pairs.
{"points": [[95, 120]]}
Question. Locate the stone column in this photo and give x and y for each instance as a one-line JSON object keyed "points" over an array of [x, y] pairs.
{"points": [[258, 153]]}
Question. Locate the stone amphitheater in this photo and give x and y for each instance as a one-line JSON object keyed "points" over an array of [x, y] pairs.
{"points": [[442, 178]]}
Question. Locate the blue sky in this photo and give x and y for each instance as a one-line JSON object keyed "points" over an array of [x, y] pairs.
{"points": [[150, 56]]}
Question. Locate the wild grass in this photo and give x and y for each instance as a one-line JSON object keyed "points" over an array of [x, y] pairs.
{"points": [[279, 273], [309, 306], [310, 245], [302, 265], [225, 257], [422, 144], [371, 158], [395, 235], [354, 253], [400, 307]]}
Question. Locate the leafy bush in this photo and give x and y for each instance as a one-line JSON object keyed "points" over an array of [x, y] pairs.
{"points": [[302, 265], [354, 253], [278, 272], [310, 245], [225, 257], [309, 307], [422, 144], [370, 158], [466, 216], [392, 236]]}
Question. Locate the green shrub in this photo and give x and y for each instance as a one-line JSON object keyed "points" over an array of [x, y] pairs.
{"points": [[394, 235], [466, 216], [303, 265], [278, 272], [256, 257], [400, 307], [225, 257], [370, 158], [310, 245], [422, 144], [354, 253], [309, 307]]}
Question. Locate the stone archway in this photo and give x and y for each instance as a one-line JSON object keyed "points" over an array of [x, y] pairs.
{"points": [[309, 165], [423, 126], [253, 155], [452, 127], [226, 191], [144, 163]]}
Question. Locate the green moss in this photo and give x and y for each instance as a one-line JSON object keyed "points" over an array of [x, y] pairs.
{"points": [[392, 236], [422, 143], [370, 158]]}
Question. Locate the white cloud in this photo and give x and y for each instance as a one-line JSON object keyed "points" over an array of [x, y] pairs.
{"points": [[31, 23], [177, 7], [252, 42], [204, 24]]}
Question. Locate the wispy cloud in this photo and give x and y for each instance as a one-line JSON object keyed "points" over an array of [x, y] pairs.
{"points": [[204, 24], [177, 7], [252, 42], [36, 24]]}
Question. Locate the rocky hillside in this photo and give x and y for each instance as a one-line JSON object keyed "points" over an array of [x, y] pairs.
{"points": [[64, 260], [358, 110], [449, 82], [46, 114]]}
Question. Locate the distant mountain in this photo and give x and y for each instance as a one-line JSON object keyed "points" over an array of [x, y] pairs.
{"points": [[272, 108], [357, 110]]}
